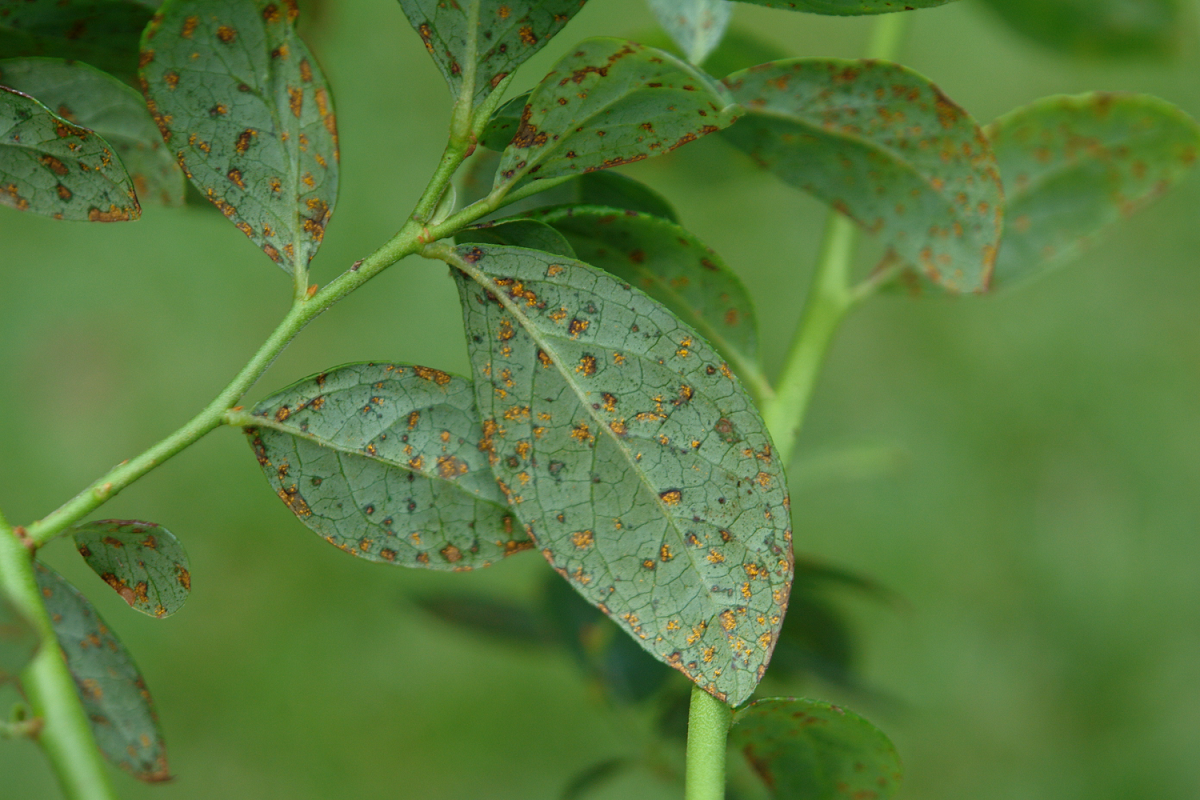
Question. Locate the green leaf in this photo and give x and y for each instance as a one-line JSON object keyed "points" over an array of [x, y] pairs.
{"points": [[1097, 27], [143, 562], [381, 460], [593, 777], [485, 40], [18, 640], [611, 102], [815, 640], [55, 168], [244, 107], [696, 25], [849, 7], [638, 462], [95, 100], [502, 127], [520, 233], [740, 49], [111, 688], [816, 751], [883, 145], [487, 616], [1074, 166], [669, 264], [104, 33]]}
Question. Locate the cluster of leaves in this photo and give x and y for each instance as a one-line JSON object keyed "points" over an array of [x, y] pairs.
{"points": [[610, 421]]}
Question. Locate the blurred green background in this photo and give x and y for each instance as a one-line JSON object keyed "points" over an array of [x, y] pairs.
{"points": [[1039, 512]]}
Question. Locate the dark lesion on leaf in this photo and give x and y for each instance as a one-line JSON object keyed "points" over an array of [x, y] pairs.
{"points": [[527, 133]]}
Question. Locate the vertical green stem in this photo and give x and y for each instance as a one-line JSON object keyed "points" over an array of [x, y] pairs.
{"points": [[708, 726], [66, 734], [887, 34]]}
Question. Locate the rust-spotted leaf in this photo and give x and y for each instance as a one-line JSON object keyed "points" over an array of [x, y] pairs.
{"points": [[143, 562], [245, 109], [483, 41], [695, 25], [18, 640], [843, 8], [610, 102], [814, 750], [96, 100], [627, 445], [885, 146], [1074, 166], [58, 169], [671, 265], [383, 462], [111, 689], [104, 33]]}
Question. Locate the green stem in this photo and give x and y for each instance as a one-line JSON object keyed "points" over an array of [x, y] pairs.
{"points": [[887, 35], [66, 734], [708, 726]]}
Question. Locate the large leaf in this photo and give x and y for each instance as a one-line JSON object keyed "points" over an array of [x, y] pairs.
{"points": [[849, 7], [883, 145], [381, 460], [95, 100], [696, 25], [669, 264], [143, 562], [245, 108], [112, 691], [638, 462], [52, 167], [485, 40], [1097, 27], [104, 33], [1073, 166], [815, 751], [610, 102], [18, 640]]}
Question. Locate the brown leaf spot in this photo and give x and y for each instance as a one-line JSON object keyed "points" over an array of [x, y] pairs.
{"points": [[54, 165], [226, 34], [671, 497], [451, 553], [295, 100], [189, 27], [450, 467], [582, 539]]}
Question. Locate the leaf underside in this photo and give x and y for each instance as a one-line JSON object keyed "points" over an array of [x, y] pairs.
{"points": [[883, 145], [250, 118], [849, 7], [143, 562], [611, 102], [1074, 166], [638, 462], [381, 460], [95, 100], [814, 750], [529, 233], [695, 25], [112, 691], [103, 33]]}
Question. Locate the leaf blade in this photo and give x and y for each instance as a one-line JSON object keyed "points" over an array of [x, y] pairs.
{"points": [[1104, 28], [141, 561], [697, 26], [104, 34], [849, 7]]}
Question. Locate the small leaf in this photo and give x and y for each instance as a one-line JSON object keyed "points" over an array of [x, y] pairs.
{"points": [[95, 100], [485, 40], [849, 7], [104, 33], [740, 49], [18, 640], [489, 617], [55, 168], [503, 125], [1074, 166], [141, 561], [639, 463], [382, 461], [696, 25], [669, 264], [1114, 28], [883, 145], [611, 102], [519, 233], [112, 691], [816, 751], [245, 109]]}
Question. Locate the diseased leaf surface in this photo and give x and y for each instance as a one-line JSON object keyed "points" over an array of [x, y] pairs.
{"points": [[104, 33], [1073, 166], [95, 100], [816, 751], [669, 264], [111, 688], [849, 7], [382, 461], [696, 25], [18, 641], [503, 125], [639, 463], [883, 145], [52, 167], [245, 109], [1113, 28], [493, 38], [143, 562], [611, 102], [519, 233]]}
